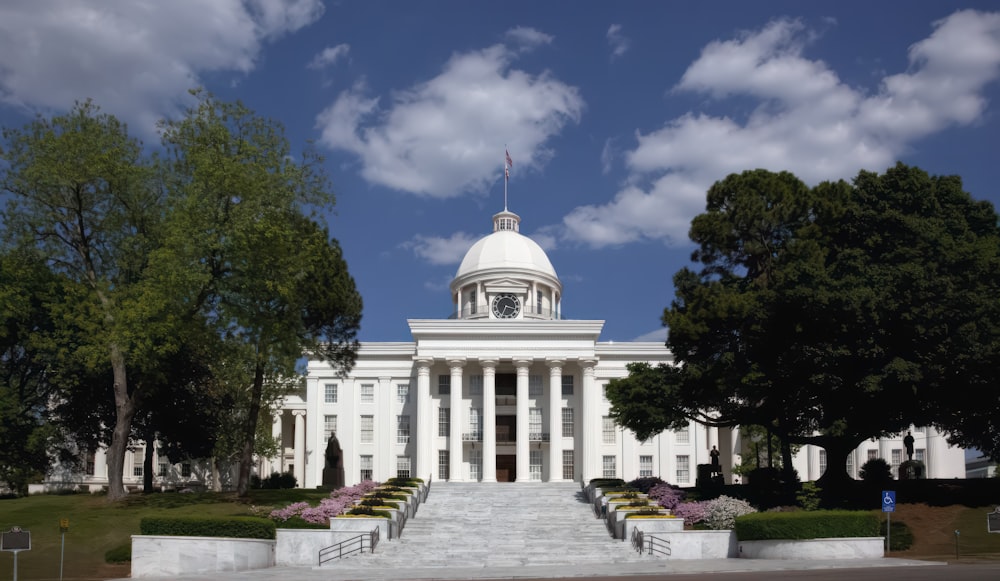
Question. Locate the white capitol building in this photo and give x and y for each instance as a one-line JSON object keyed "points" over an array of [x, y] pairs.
{"points": [[506, 390], [509, 391]]}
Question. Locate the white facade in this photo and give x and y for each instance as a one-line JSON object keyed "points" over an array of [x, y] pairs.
{"points": [[508, 390]]}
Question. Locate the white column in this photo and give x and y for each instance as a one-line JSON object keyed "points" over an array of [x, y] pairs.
{"points": [[590, 423], [555, 420], [424, 419], [315, 445], [935, 456], [523, 464], [300, 446], [489, 420], [384, 462], [455, 439]]}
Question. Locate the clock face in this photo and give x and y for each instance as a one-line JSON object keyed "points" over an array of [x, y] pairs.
{"points": [[506, 306]]}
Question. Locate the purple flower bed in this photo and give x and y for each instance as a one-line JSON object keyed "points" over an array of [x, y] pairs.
{"points": [[340, 501]]}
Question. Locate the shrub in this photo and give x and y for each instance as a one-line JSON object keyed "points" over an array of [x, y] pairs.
{"points": [[644, 485], [275, 481], [721, 512], [819, 524], [809, 496], [876, 470], [123, 553], [912, 470], [247, 527], [666, 495], [338, 502], [691, 512], [901, 537]]}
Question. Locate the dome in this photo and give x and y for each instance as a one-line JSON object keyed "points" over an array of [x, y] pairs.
{"points": [[506, 249]]}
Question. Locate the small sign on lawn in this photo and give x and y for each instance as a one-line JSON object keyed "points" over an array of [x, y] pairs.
{"points": [[993, 521], [15, 540]]}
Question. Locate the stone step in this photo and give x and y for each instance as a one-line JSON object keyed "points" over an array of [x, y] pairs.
{"points": [[497, 525]]}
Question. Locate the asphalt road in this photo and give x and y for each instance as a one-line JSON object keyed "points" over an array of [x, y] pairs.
{"points": [[950, 572]]}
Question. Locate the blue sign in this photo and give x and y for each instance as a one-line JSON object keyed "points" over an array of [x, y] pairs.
{"points": [[888, 501]]}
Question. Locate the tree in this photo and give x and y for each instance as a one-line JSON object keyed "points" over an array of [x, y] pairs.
{"points": [[85, 199], [833, 314], [266, 273]]}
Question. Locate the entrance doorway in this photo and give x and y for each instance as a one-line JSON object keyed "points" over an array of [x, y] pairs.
{"points": [[506, 467]]}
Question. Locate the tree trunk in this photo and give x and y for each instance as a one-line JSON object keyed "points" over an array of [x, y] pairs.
{"points": [[216, 482], [147, 464], [125, 409], [837, 449], [250, 432]]}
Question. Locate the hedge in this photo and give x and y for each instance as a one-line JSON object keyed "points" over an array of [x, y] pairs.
{"points": [[814, 524], [234, 527]]}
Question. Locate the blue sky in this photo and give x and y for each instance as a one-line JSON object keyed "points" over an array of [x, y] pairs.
{"points": [[618, 116]]}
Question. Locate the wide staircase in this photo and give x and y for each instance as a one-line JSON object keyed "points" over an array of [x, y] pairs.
{"points": [[480, 525]]}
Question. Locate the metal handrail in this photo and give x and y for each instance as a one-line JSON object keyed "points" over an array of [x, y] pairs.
{"points": [[649, 544], [350, 546]]}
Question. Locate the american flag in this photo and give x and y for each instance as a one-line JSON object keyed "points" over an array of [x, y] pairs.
{"points": [[510, 162]]}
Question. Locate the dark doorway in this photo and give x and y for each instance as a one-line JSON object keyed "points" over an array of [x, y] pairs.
{"points": [[506, 384], [506, 429], [506, 468]]}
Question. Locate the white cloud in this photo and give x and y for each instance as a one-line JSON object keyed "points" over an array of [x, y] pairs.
{"points": [[527, 39], [444, 137], [806, 121], [329, 56], [135, 58], [617, 41], [659, 336], [441, 251]]}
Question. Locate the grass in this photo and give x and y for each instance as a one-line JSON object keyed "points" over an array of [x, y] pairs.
{"points": [[97, 526]]}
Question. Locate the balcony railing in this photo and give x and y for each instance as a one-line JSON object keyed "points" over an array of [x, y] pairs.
{"points": [[538, 437], [529, 312], [472, 437]]}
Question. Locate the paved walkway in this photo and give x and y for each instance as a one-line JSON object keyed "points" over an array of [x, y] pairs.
{"points": [[523, 530]]}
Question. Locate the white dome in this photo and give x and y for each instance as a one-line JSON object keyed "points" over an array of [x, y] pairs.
{"points": [[506, 250]]}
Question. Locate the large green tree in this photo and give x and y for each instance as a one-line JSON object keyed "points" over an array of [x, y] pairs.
{"points": [[830, 315], [266, 274], [86, 199]]}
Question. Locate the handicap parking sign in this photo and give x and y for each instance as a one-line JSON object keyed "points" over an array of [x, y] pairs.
{"points": [[888, 501]]}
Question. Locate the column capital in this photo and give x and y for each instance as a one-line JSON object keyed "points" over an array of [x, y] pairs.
{"points": [[489, 363], [555, 363], [588, 366], [300, 413], [522, 363], [458, 362]]}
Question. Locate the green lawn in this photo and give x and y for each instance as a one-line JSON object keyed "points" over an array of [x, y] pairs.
{"points": [[96, 526]]}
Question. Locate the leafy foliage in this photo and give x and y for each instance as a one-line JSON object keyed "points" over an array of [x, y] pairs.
{"points": [[721, 513], [876, 470]]}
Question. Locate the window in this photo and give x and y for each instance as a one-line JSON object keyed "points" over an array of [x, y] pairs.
{"points": [[918, 454], [367, 429], [402, 466], [567, 385], [476, 423], [535, 465], [475, 385], [850, 465], [897, 457], [367, 393], [822, 462], [164, 469], [568, 468], [402, 429], [90, 463], [683, 469], [444, 384], [683, 435], [366, 467], [329, 427], [872, 454], [403, 392], [567, 422], [645, 466], [186, 470], [444, 422], [443, 465], [472, 302], [608, 430], [538, 302], [138, 456], [610, 470], [535, 424], [535, 385], [475, 464], [330, 393]]}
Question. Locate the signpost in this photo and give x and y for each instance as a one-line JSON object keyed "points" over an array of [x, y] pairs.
{"points": [[888, 507], [15, 540], [993, 521], [63, 527]]}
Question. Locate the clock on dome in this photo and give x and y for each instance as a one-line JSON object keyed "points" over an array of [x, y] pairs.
{"points": [[506, 306]]}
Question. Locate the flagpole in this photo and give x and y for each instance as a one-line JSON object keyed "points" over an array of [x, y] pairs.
{"points": [[506, 176]]}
